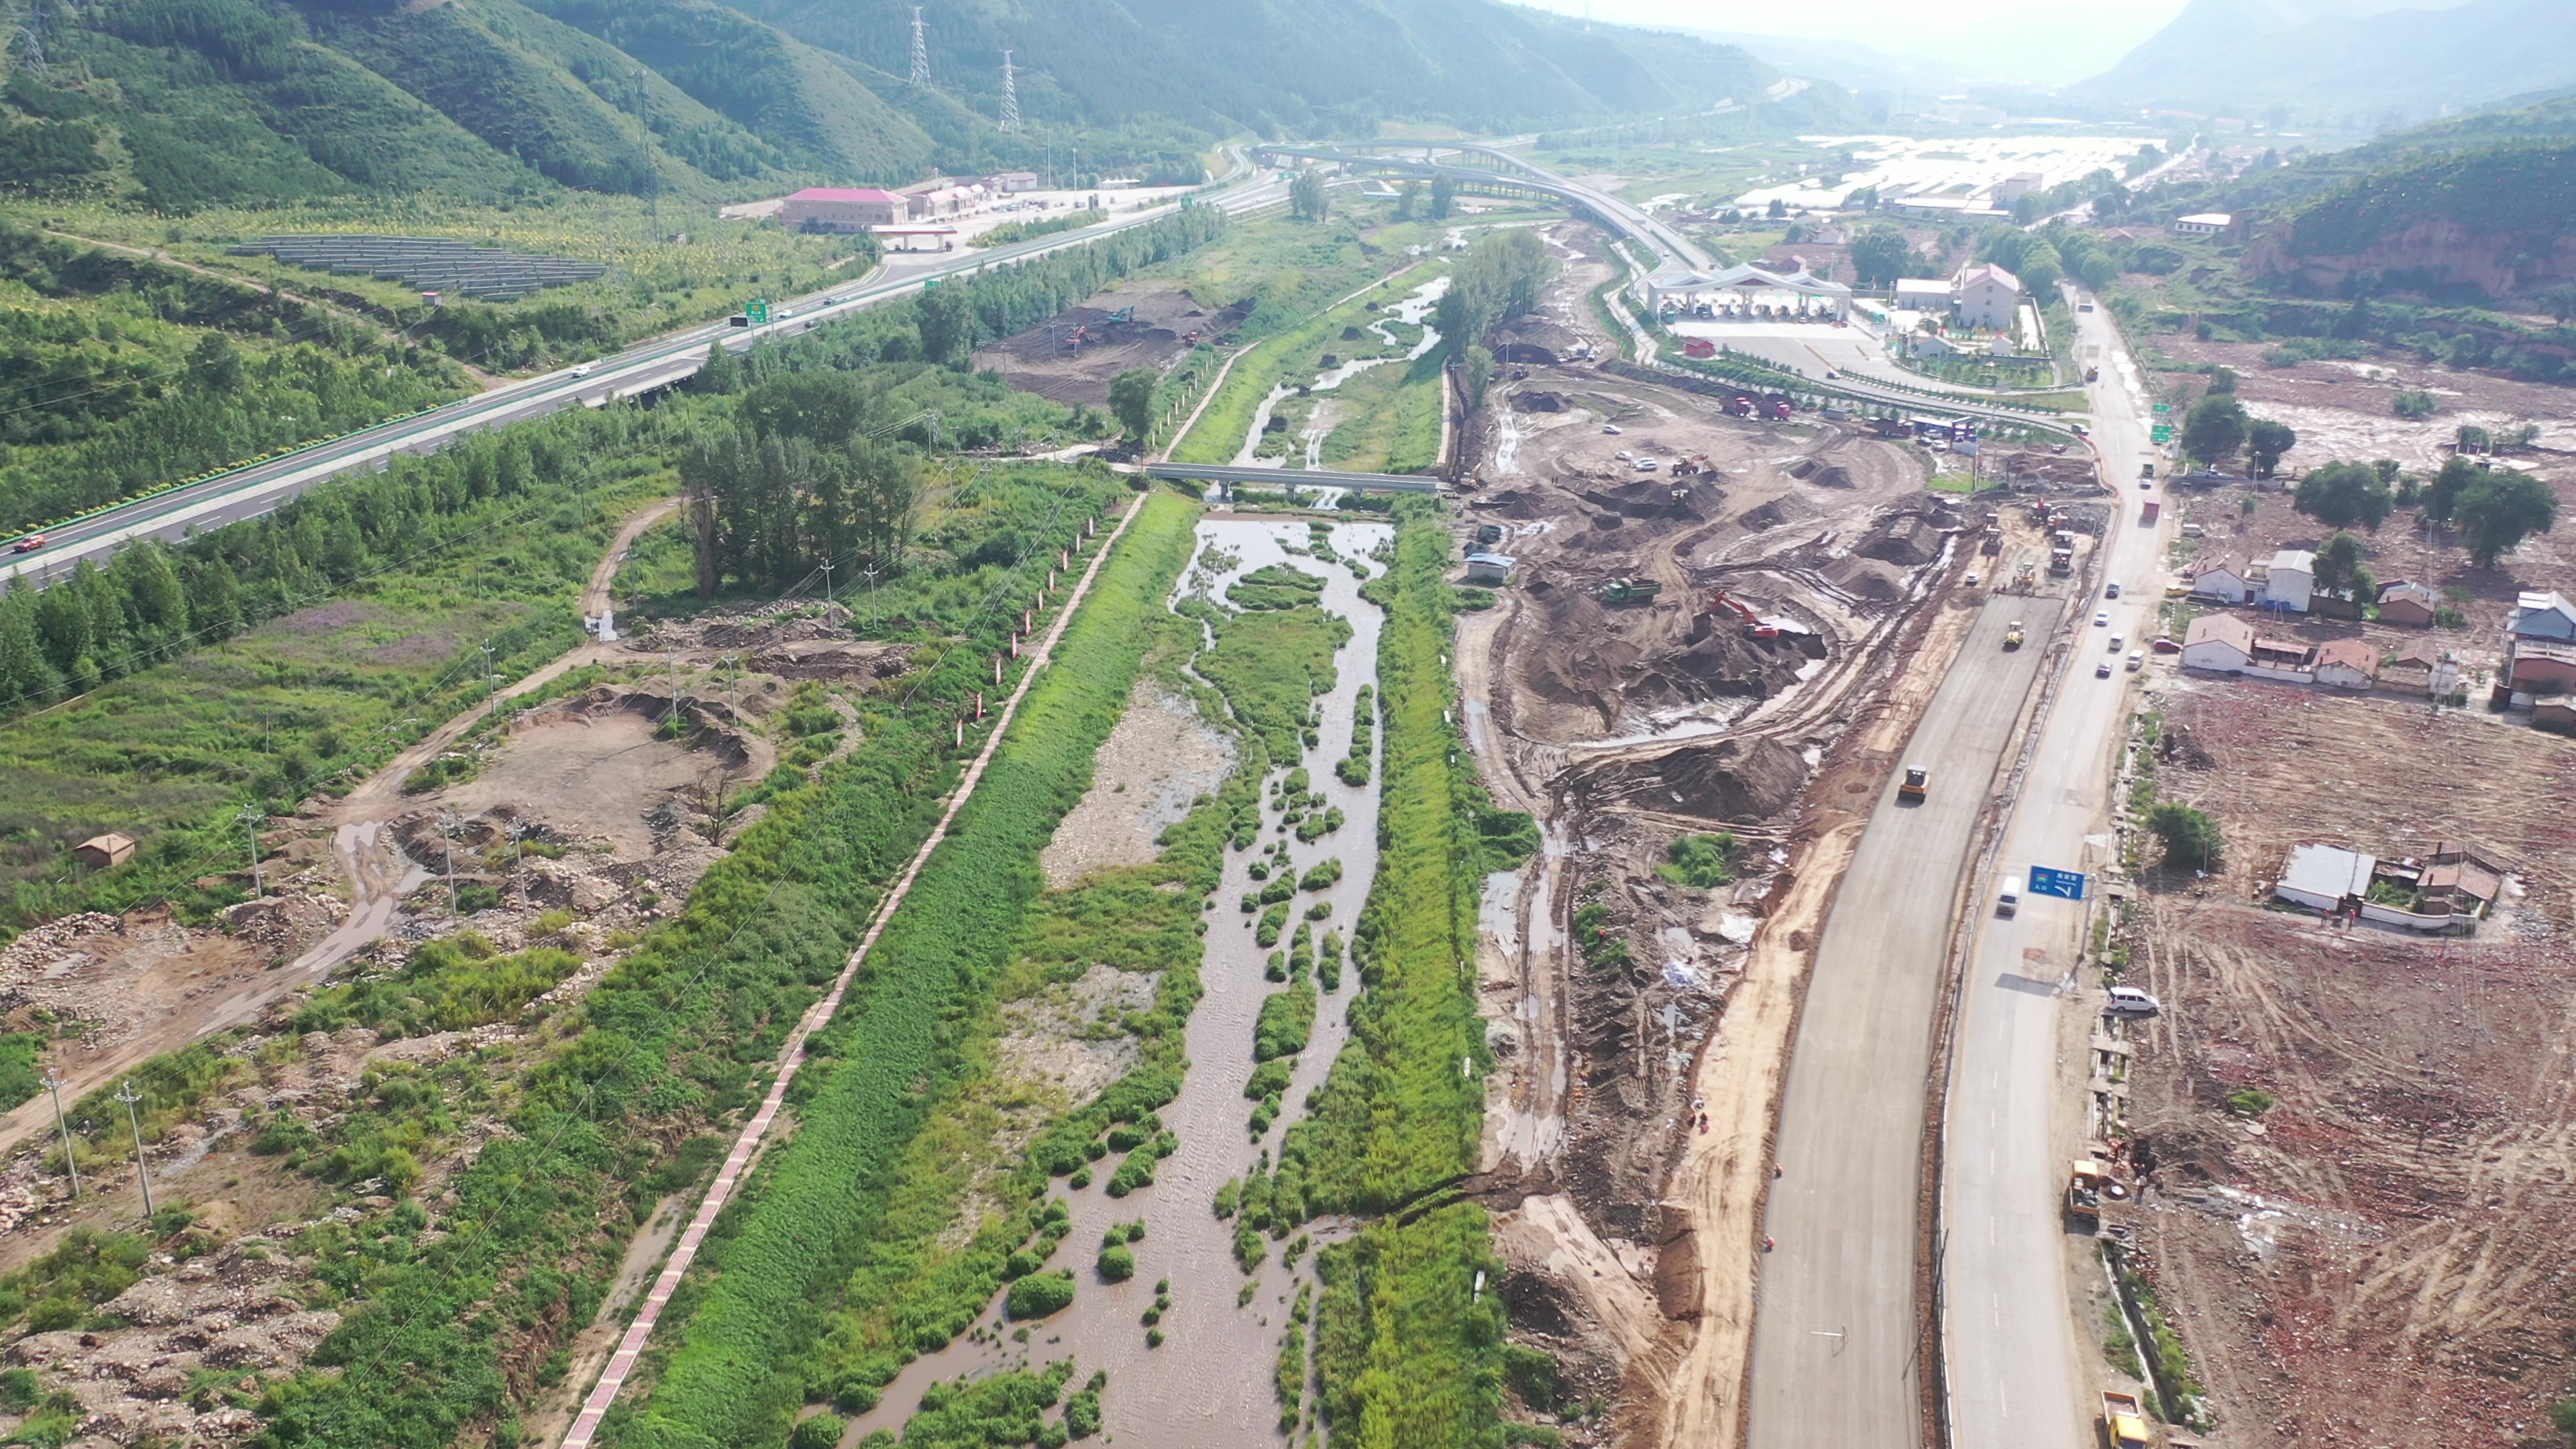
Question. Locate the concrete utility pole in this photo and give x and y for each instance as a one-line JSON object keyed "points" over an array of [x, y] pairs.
{"points": [[519, 859], [142, 1174], [920, 53], [250, 818], [447, 825], [871, 572], [54, 1084], [1010, 94], [491, 682], [828, 566]]}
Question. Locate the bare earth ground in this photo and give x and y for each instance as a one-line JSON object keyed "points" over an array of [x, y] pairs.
{"points": [[1159, 760], [2378, 1260], [1048, 360]]}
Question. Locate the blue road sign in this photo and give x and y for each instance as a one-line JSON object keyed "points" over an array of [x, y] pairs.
{"points": [[2065, 884]]}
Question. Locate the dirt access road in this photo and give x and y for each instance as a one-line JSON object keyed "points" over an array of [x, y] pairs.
{"points": [[377, 872]]}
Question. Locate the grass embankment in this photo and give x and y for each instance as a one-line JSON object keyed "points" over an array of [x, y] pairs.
{"points": [[786, 1255], [1407, 1355], [607, 1107], [1393, 417], [1293, 354]]}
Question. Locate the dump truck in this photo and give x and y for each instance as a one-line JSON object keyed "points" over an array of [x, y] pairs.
{"points": [[2084, 1190], [2150, 511], [1629, 593], [1917, 785], [2126, 1419], [2013, 636]]}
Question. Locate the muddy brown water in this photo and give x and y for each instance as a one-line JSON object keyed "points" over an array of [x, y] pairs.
{"points": [[1212, 1380]]}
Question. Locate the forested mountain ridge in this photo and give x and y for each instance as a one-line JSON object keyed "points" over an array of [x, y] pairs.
{"points": [[182, 104]]}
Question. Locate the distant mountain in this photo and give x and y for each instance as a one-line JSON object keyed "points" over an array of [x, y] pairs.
{"points": [[2343, 64], [181, 104]]}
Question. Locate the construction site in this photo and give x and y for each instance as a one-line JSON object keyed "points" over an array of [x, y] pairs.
{"points": [[1720, 627], [1072, 356]]}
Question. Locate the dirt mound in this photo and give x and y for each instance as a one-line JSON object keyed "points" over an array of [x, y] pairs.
{"points": [[1537, 402], [1516, 503], [1730, 780], [1654, 498], [1868, 579], [1820, 473], [1722, 664], [1905, 540], [833, 659]]}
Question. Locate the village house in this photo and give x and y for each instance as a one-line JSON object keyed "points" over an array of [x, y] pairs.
{"points": [[2410, 606], [1923, 294], [2325, 877], [2207, 223], [2544, 616], [2423, 668], [2226, 578], [2542, 668], [1987, 296], [2218, 642], [2290, 580], [2461, 877], [2347, 664], [2292, 661]]}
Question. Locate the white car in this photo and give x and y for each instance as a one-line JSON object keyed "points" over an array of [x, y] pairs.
{"points": [[1645, 465], [2137, 661], [2102, 670], [2116, 641], [1610, 430], [2130, 1001], [582, 371], [1623, 455], [1972, 579], [2102, 619]]}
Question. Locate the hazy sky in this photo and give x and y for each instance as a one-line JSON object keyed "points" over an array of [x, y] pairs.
{"points": [[2054, 42]]}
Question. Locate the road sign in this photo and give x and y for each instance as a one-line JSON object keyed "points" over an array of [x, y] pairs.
{"points": [[2163, 408], [2064, 884], [2160, 433], [758, 311]]}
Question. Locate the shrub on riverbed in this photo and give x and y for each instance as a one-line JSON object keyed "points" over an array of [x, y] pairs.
{"points": [[1040, 1294]]}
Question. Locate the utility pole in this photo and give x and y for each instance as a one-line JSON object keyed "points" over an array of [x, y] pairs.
{"points": [[828, 566], [54, 1083], [1010, 94], [871, 572], [920, 53], [250, 818], [519, 859], [491, 681], [142, 1174]]}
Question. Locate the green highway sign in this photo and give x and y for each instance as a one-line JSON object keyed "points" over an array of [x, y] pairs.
{"points": [[2163, 408], [2160, 433], [758, 311]]}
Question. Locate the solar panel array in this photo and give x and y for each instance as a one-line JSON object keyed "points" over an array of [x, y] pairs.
{"points": [[430, 264]]}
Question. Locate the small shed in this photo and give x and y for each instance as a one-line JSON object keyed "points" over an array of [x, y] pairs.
{"points": [[2324, 876], [2347, 664], [2229, 578], [2410, 606], [1488, 569], [101, 851]]}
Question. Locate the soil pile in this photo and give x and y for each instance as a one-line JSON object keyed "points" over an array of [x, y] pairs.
{"points": [[1733, 780], [1910, 541]]}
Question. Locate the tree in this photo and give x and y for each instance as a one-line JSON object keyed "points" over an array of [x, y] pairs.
{"points": [[945, 318], [2502, 509], [2340, 495], [2191, 839], [2561, 302], [1306, 195], [2474, 439], [1444, 197], [1131, 401], [1475, 374], [2040, 270], [2215, 429], [2340, 570], [1779, 209], [2222, 379], [1880, 255], [2266, 443], [1407, 197], [823, 1431], [2442, 496]]}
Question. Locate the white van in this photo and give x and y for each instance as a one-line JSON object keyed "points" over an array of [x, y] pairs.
{"points": [[2008, 900], [2130, 1001]]}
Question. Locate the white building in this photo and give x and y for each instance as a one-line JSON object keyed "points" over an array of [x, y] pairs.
{"points": [[1987, 296], [2290, 580], [2019, 185], [1923, 294], [2347, 664], [2323, 877], [2206, 224], [2220, 643], [2227, 579]]}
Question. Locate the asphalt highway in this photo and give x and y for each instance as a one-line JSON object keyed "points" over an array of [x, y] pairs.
{"points": [[252, 491], [2013, 1124], [1834, 1333]]}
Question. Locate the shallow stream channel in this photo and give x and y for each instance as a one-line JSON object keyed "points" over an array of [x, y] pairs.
{"points": [[1308, 439], [1212, 1378]]}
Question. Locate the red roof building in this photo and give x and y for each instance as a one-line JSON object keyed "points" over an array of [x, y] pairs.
{"points": [[840, 208]]}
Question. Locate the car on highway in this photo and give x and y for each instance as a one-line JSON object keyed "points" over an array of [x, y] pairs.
{"points": [[582, 370], [2146, 484], [2130, 1001], [2008, 899], [29, 544], [2101, 618], [2081, 431], [2111, 590], [2137, 661], [2102, 670], [2118, 640]]}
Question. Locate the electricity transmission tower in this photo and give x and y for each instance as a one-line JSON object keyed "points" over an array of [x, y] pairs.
{"points": [[1010, 94], [920, 53], [26, 24]]}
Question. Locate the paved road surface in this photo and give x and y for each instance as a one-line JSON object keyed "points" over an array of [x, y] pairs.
{"points": [[2018, 1376], [250, 492], [1834, 1332]]}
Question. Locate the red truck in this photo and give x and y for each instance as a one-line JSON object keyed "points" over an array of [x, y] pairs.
{"points": [[2148, 512]]}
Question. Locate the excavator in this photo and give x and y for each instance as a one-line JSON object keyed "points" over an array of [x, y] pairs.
{"points": [[1722, 602]]}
